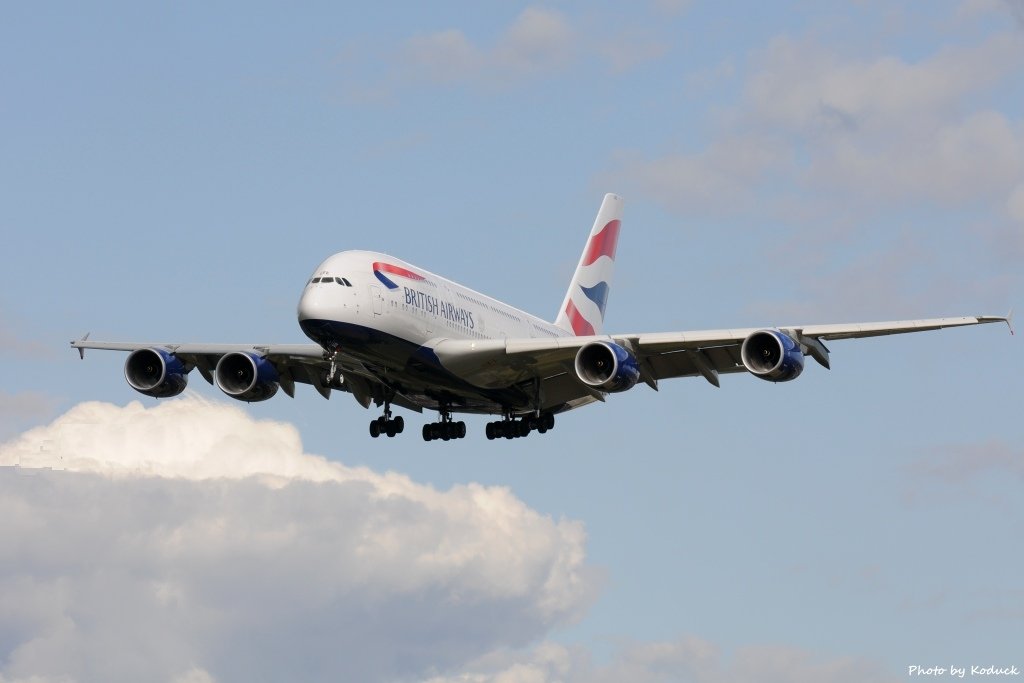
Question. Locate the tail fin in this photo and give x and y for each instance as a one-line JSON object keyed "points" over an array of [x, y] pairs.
{"points": [[582, 312]]}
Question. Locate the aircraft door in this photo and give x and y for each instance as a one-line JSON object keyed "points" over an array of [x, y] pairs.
{"points": [[377, 300]]}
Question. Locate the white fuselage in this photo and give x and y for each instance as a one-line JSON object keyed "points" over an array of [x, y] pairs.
{"points": [[417, 307]]}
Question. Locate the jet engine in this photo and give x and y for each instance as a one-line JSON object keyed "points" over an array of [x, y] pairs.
{"points": [[246, 376], [772, 356], [607, 366], [156, 373]]}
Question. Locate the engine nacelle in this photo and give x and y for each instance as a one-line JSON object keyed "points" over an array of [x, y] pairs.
{"points": [[772, 355], [246, 376], [156, 373], [607, 366]]}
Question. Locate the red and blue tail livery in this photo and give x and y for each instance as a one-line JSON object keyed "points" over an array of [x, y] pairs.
{"points": [[582, 311]]}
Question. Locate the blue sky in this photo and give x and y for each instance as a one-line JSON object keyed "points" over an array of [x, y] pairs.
{"points": [[174, 173]]}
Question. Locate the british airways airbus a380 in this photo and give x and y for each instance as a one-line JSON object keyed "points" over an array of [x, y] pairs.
{"points": [[393, 334]]}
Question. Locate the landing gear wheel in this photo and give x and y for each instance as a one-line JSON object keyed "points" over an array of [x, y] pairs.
{"points": [[374, 429], [399, 423], [427, 436]]}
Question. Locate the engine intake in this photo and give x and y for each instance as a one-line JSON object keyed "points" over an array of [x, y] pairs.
{"points": [[772, 356], [607, 366], [156, 373], [246, 376]]}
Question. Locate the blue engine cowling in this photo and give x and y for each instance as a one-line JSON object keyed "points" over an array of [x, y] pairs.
{"points": [[772, 355], [246, 376], [156, 373], [607, 366]]}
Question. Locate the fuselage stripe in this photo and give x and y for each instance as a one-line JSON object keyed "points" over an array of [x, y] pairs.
{"points": [[380, 268]]}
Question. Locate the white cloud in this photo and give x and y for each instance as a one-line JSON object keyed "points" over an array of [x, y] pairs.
{"points": [[672, 6], [17, 410], [629, 49], [189, 542], [977, 158], [14, 343], [886, 130], [537, 43], [957, 464], [1015, 204], [717, 178], [194, 676], [804, 85], [443, 57], [684, 660]]}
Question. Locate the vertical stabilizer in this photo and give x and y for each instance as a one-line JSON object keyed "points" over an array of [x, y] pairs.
{"points": [[582, 311]]}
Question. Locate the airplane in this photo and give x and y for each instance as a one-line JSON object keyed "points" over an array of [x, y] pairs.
{"points": [[393, 334]]}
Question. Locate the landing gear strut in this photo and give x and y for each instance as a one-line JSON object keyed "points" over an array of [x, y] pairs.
{"points": [[445, 429], [510, 428], [385, 424]]}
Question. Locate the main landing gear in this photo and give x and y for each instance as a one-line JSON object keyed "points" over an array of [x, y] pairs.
{"points": [[385, 424], [445, 429], [510, 428]]}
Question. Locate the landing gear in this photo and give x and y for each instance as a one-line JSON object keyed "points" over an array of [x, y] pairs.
{"points": [[385, 424], [510, 428], [445, 429]]}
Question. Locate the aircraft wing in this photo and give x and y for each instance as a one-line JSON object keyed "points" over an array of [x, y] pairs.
{"points": [[661, 355], [296, 362], [303, 363], [715, 351]]}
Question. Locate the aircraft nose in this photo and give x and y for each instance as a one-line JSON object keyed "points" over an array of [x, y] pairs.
{"points": [[311, 304]]}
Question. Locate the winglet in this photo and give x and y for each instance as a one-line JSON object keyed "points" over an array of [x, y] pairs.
{"points": [[81, 349], [1008, 319]]}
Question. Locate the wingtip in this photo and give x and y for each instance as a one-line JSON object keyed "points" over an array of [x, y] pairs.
{"points": [[81, 350]]}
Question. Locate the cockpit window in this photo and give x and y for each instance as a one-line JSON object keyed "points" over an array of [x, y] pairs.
{"points": [[343, 281]]}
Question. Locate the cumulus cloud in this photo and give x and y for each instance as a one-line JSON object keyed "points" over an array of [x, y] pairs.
{"points": [[189, 543]]}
